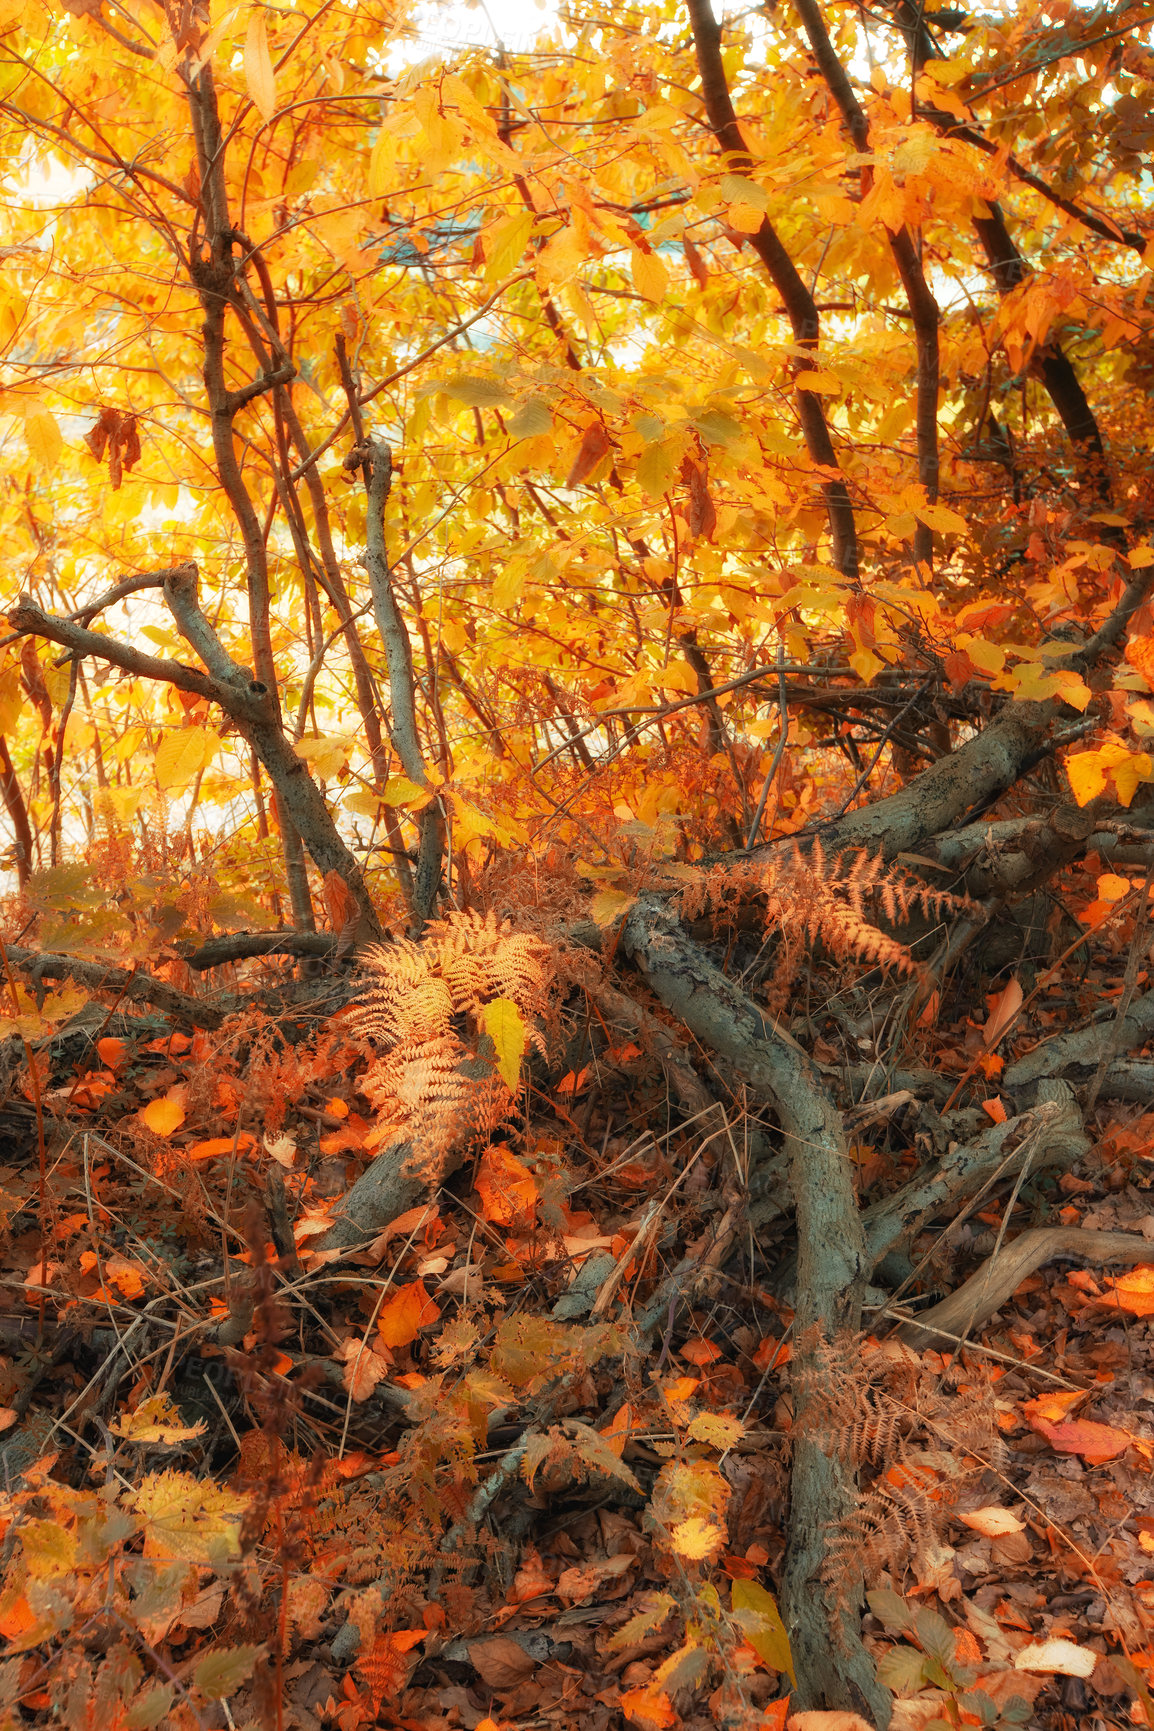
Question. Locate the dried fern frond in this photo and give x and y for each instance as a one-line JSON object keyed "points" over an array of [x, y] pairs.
{"points": [[813, 898], [914, 1448], [419, 1004]]}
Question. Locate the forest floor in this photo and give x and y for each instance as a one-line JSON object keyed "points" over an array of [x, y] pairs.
{"points": [[452, 1480]]}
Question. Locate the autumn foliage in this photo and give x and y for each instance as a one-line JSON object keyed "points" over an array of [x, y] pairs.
{"points": [[575, 753]]}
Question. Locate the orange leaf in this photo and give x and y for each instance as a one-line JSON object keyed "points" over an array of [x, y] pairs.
{"points": [[351, 1135], [776, 1714], [616, 1432], [1111, 888], [966, 1649], [1133, 1292], [112, 1052], [507, 1190], [405, 1313], [363, 1369], [405, 1225], [992, 1523], [217, 1145], [1140, 655], [1079, 1436], [571, 1083], [648, 1707], [1052, 1407], [593, 447], [17, 1619], [127, 1276], [163, 1116], [41, 1273], [1003, 1007], [996, 1110], [700, 1352]]}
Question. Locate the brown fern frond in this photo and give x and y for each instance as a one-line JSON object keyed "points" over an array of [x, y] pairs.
{"points": [[914, 1447], [888, 1529], [429, 1086], [816, 898]]}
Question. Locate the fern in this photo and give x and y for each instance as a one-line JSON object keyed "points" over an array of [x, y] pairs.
{"points": [[877, 1414], [421, 1011], [810, 898]]}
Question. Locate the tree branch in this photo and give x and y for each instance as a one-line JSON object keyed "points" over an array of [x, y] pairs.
{"points": [[924, 310], [134, 986], [376, 460], [833, 1668], [798, 301]]}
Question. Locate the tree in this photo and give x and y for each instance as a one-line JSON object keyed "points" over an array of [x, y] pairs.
{"points": [[647, 449]]}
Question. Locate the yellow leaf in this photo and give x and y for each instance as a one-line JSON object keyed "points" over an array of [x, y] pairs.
{"points": [[196, 1520], [327, 755], [156, 1420], [987, 657], [650, 277], [505, 245], [49, 1550], [680, 678], [941, 518], [823, 383], [43, 437], [162, 1116], [503, 1022], [1032, 680], [697, 1539], [1139, 767], [1087, 775], [756, 1612], [258, 72], [608, 906], [720, 1430], [182, 755], [399, 790], [745, 218], [866, 664]]}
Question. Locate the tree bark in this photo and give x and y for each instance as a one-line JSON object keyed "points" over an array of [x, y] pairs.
{"points": [[799, 303], [924, 312], [833, 1668]]}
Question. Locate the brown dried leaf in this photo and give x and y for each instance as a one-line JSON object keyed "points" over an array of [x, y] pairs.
{"points": [[590, 452]]}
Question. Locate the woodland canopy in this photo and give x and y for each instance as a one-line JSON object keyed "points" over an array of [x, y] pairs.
{"points": [[576, 705]]}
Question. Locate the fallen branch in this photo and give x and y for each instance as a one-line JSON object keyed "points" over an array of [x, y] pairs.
{"points": [[1085, 1049], [998, 1279], [239, 946], [1049, 1134], [131, 986], [833, 1668], [1129, 1079]]}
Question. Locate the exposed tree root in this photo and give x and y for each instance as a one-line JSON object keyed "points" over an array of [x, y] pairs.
{"points": [[132, 987], [1087, 1048], [1050, 1134], [833, 1667], [986, 1291]]}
